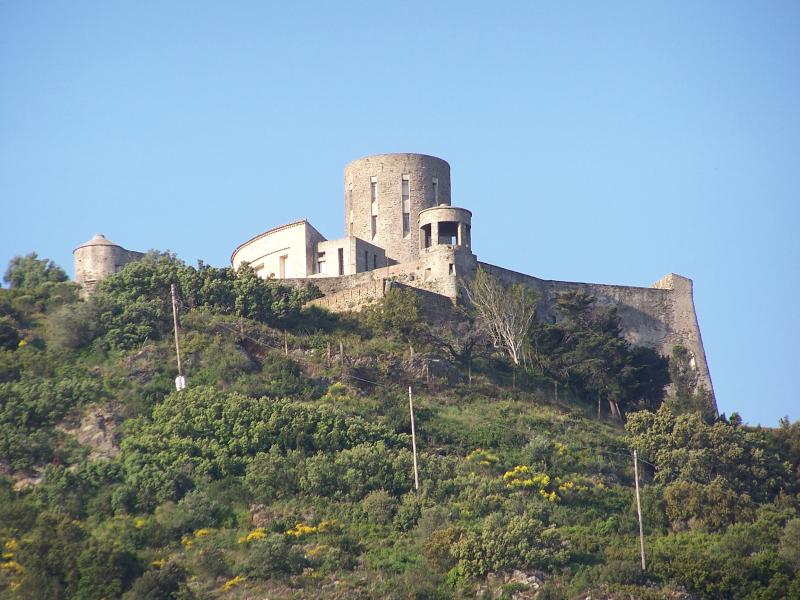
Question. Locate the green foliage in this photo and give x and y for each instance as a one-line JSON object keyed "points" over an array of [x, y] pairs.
{"points": [[742, 562], [354, 472], [30, 271], [585, 350], [29, 409], [253, 483], [273, 555], [398, 312], [166, 583], [107, 568], [204, 433], [49, 555], [689, 395], [712, 473], [73, 326], [9, 336], [519, 542], [274, 475], [134, 304]]}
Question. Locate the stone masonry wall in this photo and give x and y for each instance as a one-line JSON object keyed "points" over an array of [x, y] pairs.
{"points": [[660, 317]]}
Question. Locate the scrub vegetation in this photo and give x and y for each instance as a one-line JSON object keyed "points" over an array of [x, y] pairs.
{"points": [[285, 469]]}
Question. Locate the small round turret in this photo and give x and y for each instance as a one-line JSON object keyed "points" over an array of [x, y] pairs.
{"points": [[98, 258]]}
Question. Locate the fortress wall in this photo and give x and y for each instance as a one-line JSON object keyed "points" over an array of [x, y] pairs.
{"points": [[660, 317], [432, 274]]}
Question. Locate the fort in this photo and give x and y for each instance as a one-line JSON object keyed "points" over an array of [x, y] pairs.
{"points": [[401, 228]]}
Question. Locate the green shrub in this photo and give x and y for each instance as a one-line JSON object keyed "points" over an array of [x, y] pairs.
{"points": [[519, 542], [273, 555], [379, 507]]}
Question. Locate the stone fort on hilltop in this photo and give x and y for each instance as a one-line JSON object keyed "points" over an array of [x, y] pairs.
{"points": [[401, 229]]}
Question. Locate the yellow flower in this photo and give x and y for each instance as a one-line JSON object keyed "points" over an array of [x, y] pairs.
{"points": [[232, 583], [10, 545], [257, 534], [158, 563], [300, 529], [22, 344], [12, 566], [201, 532], [139, 522]]}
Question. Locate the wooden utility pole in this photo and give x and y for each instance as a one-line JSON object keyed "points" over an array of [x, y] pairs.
{"points": [[638, 505], [413, 439], [180, 380], [285, 343]]}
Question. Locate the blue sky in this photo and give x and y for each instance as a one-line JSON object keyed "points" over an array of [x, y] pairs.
{"points": [[602, 142]]}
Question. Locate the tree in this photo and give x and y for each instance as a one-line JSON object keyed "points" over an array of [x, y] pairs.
{"points": [[506, 313], [30, 271], [461, 340], [586, 350]]}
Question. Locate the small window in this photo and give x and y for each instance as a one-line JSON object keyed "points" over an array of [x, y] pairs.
{"points": [[374, 261], [374, 225], [452, 269], [282, 266], [366, 260], [373, 189], [405, 195], [341, 261], [436, 191]]}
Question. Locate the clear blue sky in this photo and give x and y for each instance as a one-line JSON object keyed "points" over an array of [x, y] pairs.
{"points": [[622, 140]]}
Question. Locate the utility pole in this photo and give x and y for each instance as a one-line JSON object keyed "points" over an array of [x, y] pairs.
{"points": [[413, 439], [180, 380], [638, 505]]}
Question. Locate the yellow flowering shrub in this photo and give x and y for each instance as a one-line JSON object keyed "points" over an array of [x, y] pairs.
{"points": [[482, 457], [139, 522], [301, 529], [259, 533], [522, 477], [202, 532], [235, 582]]}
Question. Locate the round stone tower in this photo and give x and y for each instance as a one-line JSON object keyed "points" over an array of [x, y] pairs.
{"points": [[98, 258], [384, 194]]}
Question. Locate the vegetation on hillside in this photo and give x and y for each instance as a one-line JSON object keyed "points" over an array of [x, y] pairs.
{"points": [[285, 469]]}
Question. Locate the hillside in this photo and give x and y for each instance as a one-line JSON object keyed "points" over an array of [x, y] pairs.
{"points": [[285, 469]]}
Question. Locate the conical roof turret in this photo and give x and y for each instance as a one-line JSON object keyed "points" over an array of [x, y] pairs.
{"points": [[98, 240]]}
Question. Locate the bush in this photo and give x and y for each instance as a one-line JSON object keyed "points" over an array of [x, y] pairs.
{"points": [[274, 475], [9, 336], [379, 507], [73, 326], [520, 542], [166, 583], [273, 555]]}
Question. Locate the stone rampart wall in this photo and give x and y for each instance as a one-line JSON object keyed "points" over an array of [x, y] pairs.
{"points": [[660, 317]]}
